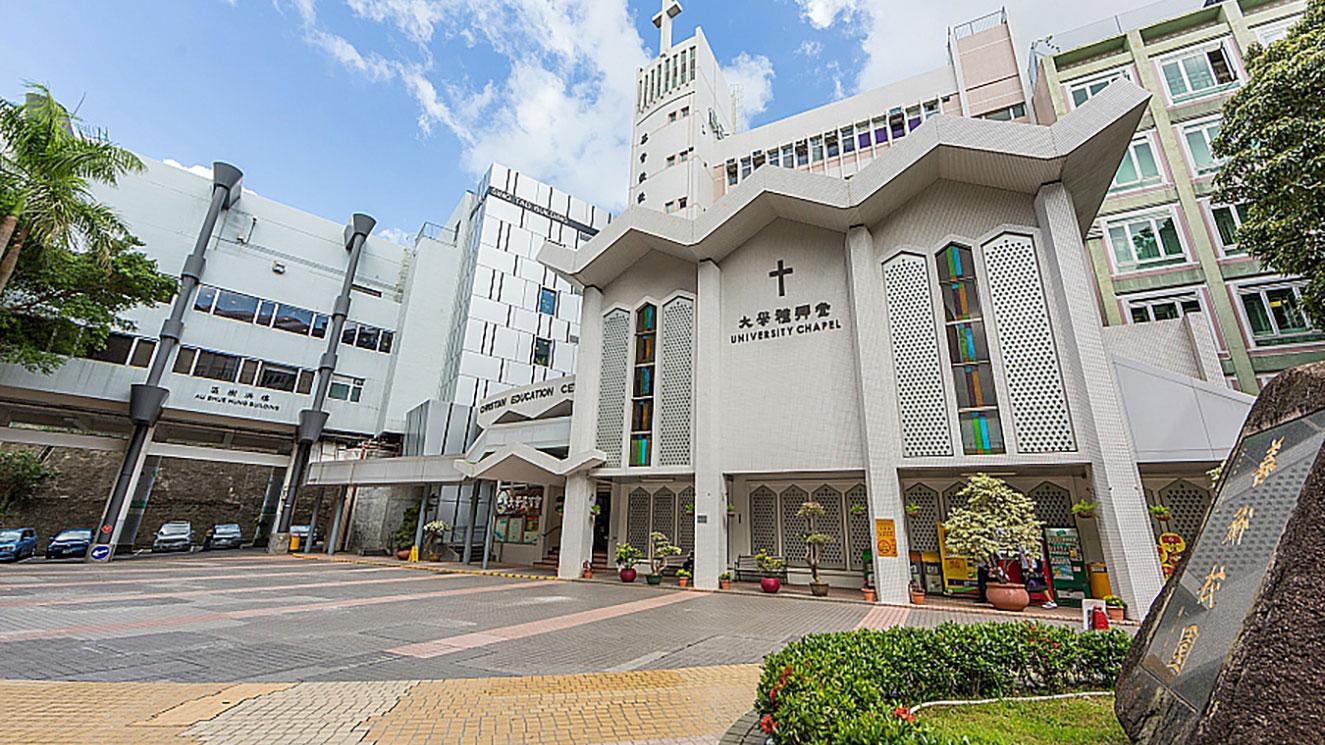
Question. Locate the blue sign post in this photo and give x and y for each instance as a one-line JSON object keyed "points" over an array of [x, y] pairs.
{"points": [[100, 553]]}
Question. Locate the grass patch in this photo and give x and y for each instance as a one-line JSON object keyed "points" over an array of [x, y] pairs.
{"points": [[1073, 721]]}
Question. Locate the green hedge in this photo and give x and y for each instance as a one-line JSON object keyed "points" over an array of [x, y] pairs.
{"points": [[844, 687]]}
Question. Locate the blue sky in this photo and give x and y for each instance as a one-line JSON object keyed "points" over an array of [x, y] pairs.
{"points": [[394, 107]]}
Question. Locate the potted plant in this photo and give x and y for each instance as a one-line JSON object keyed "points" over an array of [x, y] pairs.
{"points": [[434, 534], [858, 509], [1116, 607], [586, 570], [731, 509], [659, 549], [403, 537], [725, 581], [912, 509], [627, 556], [595, 510], [814, 543], [917, 593], [1160, 512], [1085, 508], [996, 521], [867, 580], [683, 577], [772, 569]]}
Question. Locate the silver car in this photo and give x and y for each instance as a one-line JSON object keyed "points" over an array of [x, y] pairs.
{"points": [[176, 535]]}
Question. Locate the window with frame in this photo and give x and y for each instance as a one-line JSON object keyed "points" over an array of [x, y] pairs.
{"points": [[1199, 137], [216, 366], [788, 156], [671, 161], [669, 207], [1272, 32], [1081, 91], [1144, 241], [817, 148], [116, 351], [641, 401], [1197, 72], [1228, 218], [542, 352], [1163, 308], [746, 168], [773, 159], [235, 306], [731, 173], [1138, 167], [862, 135], [848, 139], [1274, 314], [830, 145], [802, 153], [547, 301], [968, 350], [345, 388]]}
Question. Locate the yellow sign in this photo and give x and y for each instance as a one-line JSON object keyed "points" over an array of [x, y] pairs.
{"points": [[886, 533], [959, 572]]}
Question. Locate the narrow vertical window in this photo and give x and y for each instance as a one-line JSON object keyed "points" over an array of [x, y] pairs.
{"points": [[968, 349], [641, 402]]}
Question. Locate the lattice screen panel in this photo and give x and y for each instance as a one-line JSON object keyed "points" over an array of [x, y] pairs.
{"points": [[612, 386], [922, 530], [1188, 503], [833, 555], [1053, 505], [921, 399], [951, 499], [685, 520], [1026, 342], [793, 528], [764, 521], [677, 362], [859, 535], [637, 519], [664, 513]]}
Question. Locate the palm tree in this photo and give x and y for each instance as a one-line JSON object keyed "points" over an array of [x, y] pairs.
{"points": [[46, 171]]}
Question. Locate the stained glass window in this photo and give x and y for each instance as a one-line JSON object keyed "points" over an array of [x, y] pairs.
{"points": [[968, 351], [641, 402]]}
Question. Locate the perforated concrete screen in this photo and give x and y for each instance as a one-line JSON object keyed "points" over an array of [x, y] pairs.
{"points": [[921, 400], [1026, 341], [664, 513], [859, 535], [675, 385], [833, 555], [763, 520], [923, 528], [612, 390], [637, 519], [1053, 505], [792, 498], [1188, 503], [685, 520]]}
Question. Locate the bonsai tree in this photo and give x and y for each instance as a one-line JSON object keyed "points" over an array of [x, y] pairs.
{"points": [[659, 549], [811, 511], [770, 566], [434, 533], [627, 556], [996, 521]]}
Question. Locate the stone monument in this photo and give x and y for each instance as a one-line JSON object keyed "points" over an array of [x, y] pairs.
{"points": [[1233, 649]]}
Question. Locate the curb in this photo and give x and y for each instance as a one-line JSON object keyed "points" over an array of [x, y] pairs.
{"points": [[428, 568]]}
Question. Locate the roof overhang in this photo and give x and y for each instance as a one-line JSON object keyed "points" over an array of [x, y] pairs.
{"points": [[518, 462], [1082, 150]]}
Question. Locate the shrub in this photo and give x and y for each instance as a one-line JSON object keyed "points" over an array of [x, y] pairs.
{"points": [[831, 688]]}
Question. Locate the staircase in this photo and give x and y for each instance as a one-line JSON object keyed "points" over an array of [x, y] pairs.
{"points": [[599, 561]]}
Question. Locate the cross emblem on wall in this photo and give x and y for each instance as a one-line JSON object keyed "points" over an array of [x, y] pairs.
{"points": [[780, 274]]}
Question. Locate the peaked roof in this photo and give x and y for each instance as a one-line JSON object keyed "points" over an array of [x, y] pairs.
{"points": [[1082, 150]]}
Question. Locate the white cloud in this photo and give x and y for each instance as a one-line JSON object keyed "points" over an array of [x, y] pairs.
{"points": [[562, 109], [752, 78], [809, 48], [197, 170], [395, 235], [822, 13]]}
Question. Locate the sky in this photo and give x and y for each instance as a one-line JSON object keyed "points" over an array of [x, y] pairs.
{"points": [[396, 107]]}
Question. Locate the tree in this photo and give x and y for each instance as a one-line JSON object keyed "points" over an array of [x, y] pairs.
{"points": [[996, 521], [815, 541], [63, 303], [21, 473], [46, 174], [1272, 138]]}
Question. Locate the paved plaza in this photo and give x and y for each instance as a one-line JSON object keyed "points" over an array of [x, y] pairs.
{"points": [[243, 648]]}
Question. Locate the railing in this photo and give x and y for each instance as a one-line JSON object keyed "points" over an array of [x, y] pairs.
{"points": [[983, 23], [437, 232]]}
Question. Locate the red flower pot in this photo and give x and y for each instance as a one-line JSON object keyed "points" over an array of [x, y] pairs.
{"points": [[770, 584], [628, 574]]}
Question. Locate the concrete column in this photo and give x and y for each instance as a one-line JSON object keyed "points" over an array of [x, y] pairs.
{"points": [[270, 500], [469, 526], [120, 519], [706, 447], [878, 411], [142, 494], [1102, 432], [576, 529], [278, 542]]}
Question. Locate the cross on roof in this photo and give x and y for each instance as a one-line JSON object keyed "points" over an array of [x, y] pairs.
{"points": [[663, 20]]}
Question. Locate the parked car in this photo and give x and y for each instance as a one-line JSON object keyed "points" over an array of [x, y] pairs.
{"points": [[17, 544], [223, 535], [176, 535], [71, 542], [302, 532]]}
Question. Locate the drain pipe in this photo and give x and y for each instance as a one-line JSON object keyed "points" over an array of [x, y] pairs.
{"points": [[146, 400], [313, 419]]}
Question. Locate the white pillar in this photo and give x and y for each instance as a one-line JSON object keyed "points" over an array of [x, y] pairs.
{"points": [[878, 412], [1102, 432], [279, 543], [706, 445], [576, 527], [120, 519]]}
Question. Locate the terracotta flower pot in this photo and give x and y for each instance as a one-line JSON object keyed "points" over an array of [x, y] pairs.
{"points": [[918, 598], [1009, 596], [770, 584], [628, 574], [724, 584], [588, 574], [1115, 614], [868, 594], [683, 581], [402, 554], [819, 589]]}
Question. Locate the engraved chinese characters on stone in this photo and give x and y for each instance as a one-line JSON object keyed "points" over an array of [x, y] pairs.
{"points": [[1185, 643]]}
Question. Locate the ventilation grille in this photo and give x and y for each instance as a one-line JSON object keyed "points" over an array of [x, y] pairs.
{"points": [[685, 520], [637, 519], [664, 513], [763, 521], [952, 499], [922, 403], [1026, 342], [678, 318], [1053, 505], [1188, 503], [922, 533], [793, 549], [858, 524], [612, 387]]}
